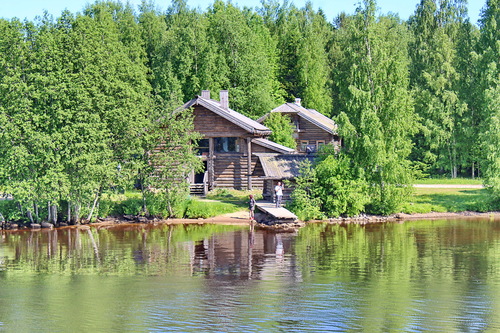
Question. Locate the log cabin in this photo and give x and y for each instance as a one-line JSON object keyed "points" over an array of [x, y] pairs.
{"points": [[227, 149], [311, 128]]}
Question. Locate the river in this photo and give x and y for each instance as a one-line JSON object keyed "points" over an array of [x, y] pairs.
{"points": [[433, 275]]}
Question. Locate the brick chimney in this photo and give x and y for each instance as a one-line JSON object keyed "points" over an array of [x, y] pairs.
{"points": [[205, 94], [224, 99], [297, 101]]}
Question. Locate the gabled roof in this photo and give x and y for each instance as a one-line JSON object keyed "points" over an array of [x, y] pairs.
{"points": [[310, 115], [236, 118], [278, 166], [273, 146]]}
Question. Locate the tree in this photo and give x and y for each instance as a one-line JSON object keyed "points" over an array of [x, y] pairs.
{"points": [[171, 159], [305, 203], [247, 58], [489, 49], [434, 82], [371, 84], [340, 186], [303, 37], [282, 129]]}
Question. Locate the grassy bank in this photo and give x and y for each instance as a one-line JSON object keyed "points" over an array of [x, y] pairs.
{"points": [[216, 203], [449, 181], [441, 200]]}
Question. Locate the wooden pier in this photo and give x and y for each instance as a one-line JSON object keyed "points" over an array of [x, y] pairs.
{"points": [[269, 213]]}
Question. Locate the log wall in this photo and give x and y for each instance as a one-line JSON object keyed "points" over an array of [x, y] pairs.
{"points": [[212, 125]]}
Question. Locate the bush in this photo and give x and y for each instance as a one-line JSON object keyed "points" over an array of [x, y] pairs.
{"points": [[10, 211]]}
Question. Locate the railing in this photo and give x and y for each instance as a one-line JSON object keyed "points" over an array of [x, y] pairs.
{"points": [[205, 183], [200, 188]]}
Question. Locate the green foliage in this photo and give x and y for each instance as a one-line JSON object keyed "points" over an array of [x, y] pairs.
{"points": [[304, 203], [371, 83], [205, 209], [491, 144], [340, 186], [246, 60], [171, 162], [303, 37], [489, 64], [282, 128], [10, 211], [434, 79]]}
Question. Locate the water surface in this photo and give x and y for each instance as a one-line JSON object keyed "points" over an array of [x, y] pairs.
{"points": [[441, 275]]}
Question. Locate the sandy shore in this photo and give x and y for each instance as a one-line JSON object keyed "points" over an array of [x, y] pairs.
{"points": [[241, 217]]}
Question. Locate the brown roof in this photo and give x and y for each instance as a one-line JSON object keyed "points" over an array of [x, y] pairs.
{"points": [[310, 115], [273, 146], [277, 166], [236, 118]]}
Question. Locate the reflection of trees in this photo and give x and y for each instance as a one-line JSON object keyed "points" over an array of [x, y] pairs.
{"points": [[123, 250], [429, 270], [374, 278]]}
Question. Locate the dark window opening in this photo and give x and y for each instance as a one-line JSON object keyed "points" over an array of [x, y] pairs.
{"points": [[226, 145], [203, 147]]}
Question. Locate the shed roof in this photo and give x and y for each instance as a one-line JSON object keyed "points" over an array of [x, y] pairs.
{"points": [[273, 146], [236, 118], [310, 115], [278, 166]]}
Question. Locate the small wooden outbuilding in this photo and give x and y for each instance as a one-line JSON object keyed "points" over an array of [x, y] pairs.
{"points": [[279, 168]]}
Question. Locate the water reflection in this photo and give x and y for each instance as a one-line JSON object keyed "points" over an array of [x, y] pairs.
{"points": [[417, 276]]}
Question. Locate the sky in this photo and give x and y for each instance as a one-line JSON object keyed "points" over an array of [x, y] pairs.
{"points": [[30, 8]]}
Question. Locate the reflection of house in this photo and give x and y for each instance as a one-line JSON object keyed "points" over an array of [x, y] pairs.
{"points": [[229, 141], [312, 129]]}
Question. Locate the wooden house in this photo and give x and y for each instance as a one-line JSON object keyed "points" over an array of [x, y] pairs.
{"points": [[229, 142], [312, 129]]}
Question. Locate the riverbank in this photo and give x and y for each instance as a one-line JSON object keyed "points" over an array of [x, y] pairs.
{"points": [[242, 218]]}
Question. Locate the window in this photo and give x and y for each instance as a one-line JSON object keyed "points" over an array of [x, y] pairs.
{"points": [[226, 145], [203, 147], [303, 145]]}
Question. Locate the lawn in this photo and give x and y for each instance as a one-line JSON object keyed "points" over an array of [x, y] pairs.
{"points": [[426, 200], [449, 181]]}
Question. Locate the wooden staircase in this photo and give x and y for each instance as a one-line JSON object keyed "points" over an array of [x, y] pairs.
{"points": [[197, 189]]}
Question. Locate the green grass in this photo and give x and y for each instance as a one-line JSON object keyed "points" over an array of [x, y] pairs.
{"points": [[199, 208], [218, 202], [426, 200], [449, 181]]}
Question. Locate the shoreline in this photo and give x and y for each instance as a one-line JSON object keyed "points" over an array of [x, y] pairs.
{"points": [[242, 218]]}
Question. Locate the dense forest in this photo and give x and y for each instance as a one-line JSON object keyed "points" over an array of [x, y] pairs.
{"points": [[85, 96]]}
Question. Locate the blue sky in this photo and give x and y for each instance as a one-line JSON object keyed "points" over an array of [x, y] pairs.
{"points": [[31, 8]]}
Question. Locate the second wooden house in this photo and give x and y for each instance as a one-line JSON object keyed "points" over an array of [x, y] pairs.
{"points": [[311, 128]]}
